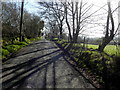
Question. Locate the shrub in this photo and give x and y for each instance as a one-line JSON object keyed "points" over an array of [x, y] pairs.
{"points": [[32, 39], [4, 53], [6, 42], [55, 39], [27, 40], [9, 47], [37, 38], [21, 43], [12, 48]]}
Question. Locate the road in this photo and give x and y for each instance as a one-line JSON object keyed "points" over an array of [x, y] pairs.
{"points": [[41, 65]]}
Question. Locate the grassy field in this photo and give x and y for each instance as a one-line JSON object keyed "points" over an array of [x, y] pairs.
{"points": [[110, 49]]}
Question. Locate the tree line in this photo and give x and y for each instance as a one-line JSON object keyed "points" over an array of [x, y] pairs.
{"points": [[32, 25], [75, 16]]}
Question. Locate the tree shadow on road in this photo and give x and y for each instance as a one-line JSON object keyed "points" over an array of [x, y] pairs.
{"points": [[23, 75], [28, 62], [18, 80], [35, 43], [13, 56]]}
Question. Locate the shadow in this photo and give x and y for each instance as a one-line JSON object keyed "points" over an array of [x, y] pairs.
{"points": [[18, 80], [45, 78], [29, 62], [54, 80], [75, 68], [22, 75], [13, 56], [35, 43], [22, 67], [35, 51]]}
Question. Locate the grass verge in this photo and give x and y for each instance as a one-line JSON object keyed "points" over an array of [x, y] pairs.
{"points": [[105, 69], [9, 48]]}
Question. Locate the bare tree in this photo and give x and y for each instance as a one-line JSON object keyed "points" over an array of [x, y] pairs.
{"points": [[109, 32], [54, 10], [66, 17], [77, 13]]}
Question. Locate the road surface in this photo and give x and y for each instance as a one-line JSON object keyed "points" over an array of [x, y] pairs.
{"points": [[41, 65]]}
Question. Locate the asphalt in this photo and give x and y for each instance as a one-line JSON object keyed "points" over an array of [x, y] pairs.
{"points": [[41, 65]]}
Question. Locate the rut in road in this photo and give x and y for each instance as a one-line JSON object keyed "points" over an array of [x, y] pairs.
{"points": [[41, 65]]}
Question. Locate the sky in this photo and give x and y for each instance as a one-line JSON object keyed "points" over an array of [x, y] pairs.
{"points": [[96, 30], [32, 7]]}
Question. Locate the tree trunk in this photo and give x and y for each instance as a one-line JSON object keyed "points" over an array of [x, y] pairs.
{"points": [[61, 36], [69, 29], [109, 32], [21, 20], [101, 47], [104, 44], [75, 38]]}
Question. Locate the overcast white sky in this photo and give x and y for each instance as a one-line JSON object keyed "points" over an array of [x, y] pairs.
{"points": [[97, 31]]}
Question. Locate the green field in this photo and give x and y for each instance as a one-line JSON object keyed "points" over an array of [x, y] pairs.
{"points": [[110, 49]]}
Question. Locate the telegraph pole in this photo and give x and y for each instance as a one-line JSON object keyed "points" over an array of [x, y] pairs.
{"points": [[21, 20]]}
